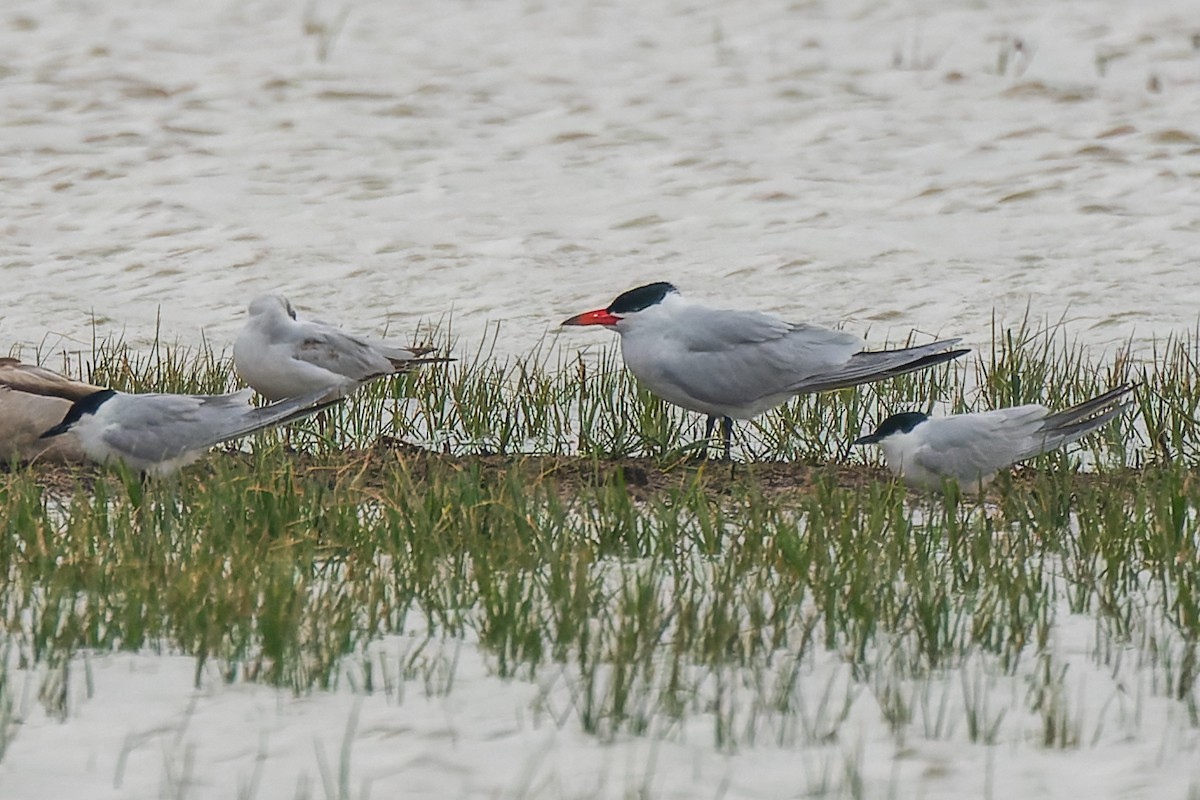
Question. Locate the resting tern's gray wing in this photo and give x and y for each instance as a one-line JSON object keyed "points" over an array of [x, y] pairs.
{"points": [[151, 428], [230, 416], [404, 357], [969, 447], [1079, 420], [708, 330], [158, 427], [281, 413], [1087, 408], [399, 356], [752, 361], [38, 380]]}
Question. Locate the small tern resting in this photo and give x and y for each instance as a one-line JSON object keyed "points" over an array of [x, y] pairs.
{"points": [[737, 364], [281, 355], [971, 448], [31, 400], [157, 434]]}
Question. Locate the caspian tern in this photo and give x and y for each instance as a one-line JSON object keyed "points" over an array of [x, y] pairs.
{"points": [[31, 400], [157, 434], [971, 448], [281, 355], [737, 364]]}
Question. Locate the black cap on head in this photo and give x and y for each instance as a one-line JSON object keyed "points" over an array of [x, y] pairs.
{"points": [[903, 422], [84, 405], [640, 298]]}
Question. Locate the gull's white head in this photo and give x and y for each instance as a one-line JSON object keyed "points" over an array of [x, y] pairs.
{"points": [[271, 306], [643, 303]]}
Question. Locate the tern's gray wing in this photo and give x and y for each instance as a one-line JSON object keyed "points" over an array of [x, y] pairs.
{"points": [[747, 359], [396, 355], [968, 447], [249, 420], [707, 330], [877, 365], [737, 358], [1079, 420], [157, 427], [340, 352]]}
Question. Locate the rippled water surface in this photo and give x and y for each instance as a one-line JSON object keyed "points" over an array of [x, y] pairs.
{"points": [[890, 165]]}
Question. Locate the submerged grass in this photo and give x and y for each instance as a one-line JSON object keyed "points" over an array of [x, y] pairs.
{"points": [[663, 590]]}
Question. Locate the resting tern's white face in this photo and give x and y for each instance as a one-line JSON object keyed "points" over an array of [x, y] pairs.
{"points": [[896, 437]]}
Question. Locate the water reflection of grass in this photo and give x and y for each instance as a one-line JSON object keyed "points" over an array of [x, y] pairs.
{"points": [[661, 589]]}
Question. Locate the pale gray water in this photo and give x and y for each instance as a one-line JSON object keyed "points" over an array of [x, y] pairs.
{"points": [[887, 164]]}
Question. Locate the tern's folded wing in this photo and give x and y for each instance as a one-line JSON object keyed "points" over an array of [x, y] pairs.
{"points": [[155, 427], [705, 330], [228, 419], [968, 447], [735, 359], [877, 365]]}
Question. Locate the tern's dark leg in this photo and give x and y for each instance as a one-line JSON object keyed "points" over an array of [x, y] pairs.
{"points": [[708, 429], [726, 433]]}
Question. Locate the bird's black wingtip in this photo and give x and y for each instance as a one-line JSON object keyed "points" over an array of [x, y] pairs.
{"points": [[57, 430]]}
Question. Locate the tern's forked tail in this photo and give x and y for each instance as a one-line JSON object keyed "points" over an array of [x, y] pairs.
{"points": [[1079, 420]]}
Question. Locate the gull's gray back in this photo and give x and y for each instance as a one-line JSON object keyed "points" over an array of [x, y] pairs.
{"points": [[337, 351]]}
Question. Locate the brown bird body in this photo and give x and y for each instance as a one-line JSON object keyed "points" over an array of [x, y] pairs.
{"points": [[33, 400]]}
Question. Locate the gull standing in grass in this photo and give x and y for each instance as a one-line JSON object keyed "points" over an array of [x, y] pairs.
{"points": [[31, 400], [281, 355], [971, 448], [157, 434], [737, 364]]}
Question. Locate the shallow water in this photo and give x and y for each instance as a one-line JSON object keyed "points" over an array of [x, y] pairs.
{"points": [[441, 723], [889, 165]]}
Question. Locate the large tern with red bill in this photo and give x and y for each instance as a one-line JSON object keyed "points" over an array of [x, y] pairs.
{"points": [[737, 364]]}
